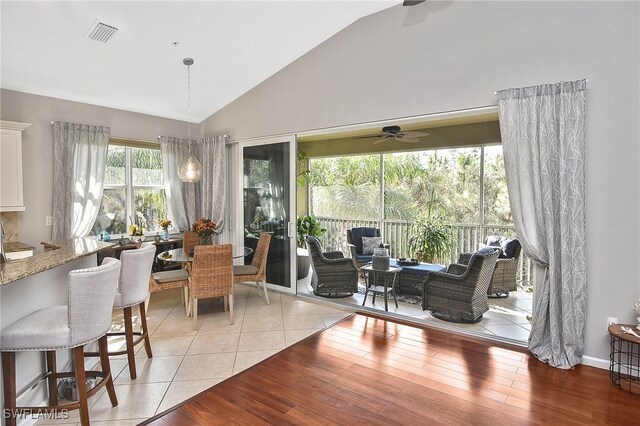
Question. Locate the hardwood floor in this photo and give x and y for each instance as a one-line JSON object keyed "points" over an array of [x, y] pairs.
{"points": [[366, 370]]}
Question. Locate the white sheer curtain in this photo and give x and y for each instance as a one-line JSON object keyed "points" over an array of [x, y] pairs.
{"points": [[189, 201], [173, 150], [79, 161], [542, 131], [211, 193]]}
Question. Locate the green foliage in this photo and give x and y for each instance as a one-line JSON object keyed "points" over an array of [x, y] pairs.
{"points": [[304, 174], [431, 239], [442, 183], [149, 204], [308, 225]]}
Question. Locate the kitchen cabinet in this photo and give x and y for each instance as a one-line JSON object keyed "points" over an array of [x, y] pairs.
{"points": [[11, 198]]}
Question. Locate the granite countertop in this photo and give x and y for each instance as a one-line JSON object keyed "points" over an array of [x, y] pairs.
{"points": [[65, 252], [16, 246]]}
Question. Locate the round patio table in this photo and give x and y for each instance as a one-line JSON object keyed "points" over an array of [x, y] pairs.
{"points": [[387, 275]]}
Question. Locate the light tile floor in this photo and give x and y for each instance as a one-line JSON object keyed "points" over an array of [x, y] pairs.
{"points": [[506, 319], [186, 362]]}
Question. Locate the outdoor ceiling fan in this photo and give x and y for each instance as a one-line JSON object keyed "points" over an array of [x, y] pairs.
{"points": [[396, 133]]}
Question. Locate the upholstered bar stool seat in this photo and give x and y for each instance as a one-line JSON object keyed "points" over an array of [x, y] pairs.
{"points": [[87, 318]]}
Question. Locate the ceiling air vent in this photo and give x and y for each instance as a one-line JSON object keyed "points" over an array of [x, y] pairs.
{"points": [[100, 31]]}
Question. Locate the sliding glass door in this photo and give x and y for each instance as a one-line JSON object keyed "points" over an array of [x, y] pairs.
{"points": [[265, 203]]}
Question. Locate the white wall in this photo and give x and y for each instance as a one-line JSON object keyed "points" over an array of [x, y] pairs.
{"points": [[443, 56], [37, 146]]}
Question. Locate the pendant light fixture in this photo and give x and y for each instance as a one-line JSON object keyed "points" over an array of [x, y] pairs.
{"points": [[190, 169]]}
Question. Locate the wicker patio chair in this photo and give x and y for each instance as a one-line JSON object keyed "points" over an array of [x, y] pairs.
{"points": [[460, 293], [354, 241], [333, 274], [504, 276], [211, 276], [256, 272]]}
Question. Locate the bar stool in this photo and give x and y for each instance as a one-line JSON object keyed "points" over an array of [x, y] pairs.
{"points": [[133, 289], [87, 318]]}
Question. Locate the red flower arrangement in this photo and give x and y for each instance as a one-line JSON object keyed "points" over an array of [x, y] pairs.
{"points": [[205, 229]]}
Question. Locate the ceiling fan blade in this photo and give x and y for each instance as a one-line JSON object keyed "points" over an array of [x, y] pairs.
{"points": [[414, 134], [408, 139], [382, 139], [366, 137]]}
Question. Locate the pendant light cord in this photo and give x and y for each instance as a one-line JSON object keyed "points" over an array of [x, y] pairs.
{"points": [[189, 104]]}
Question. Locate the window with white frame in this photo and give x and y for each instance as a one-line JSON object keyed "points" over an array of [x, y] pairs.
{"points": [[133, 190]]}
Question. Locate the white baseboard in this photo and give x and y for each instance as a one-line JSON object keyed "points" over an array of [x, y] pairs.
{"points": [[595, 362]]}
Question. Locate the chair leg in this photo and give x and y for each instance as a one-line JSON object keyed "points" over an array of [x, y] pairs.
{"points": [[264, 287], [128, 331], [9, 386], [230, 297], [259, 292], [145, 330], [78, 355], [51, 379], [194, 312], [103, 350], [185, 299]]}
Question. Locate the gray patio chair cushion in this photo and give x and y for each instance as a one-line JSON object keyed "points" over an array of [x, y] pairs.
{"points": [[358, 233], [509, 246]]}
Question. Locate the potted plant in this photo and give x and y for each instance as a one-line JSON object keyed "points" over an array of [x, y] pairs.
{"points": [[165, 224], [431, 239], [136, 233], [306, 225]]}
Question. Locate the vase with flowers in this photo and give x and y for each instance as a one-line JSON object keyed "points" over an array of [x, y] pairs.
{"points": [[136, 233], [205, 228], [165, 224]]}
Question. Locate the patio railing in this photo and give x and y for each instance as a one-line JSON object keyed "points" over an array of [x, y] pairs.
{"points": [[396, 233]]}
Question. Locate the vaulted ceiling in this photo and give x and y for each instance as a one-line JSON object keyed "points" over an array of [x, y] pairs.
{"points": [[235, 45]]}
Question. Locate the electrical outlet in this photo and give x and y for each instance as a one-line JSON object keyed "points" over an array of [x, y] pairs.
{"points": [[48, 221], [611, 321]]}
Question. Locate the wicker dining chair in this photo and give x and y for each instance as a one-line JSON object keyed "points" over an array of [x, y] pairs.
{"points": [[256, 272], [211, 276], [167, 280], [189, 241]]}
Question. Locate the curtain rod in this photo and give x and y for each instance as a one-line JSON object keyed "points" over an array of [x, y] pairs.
{"points": [[585, 80], [224, 136]]}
